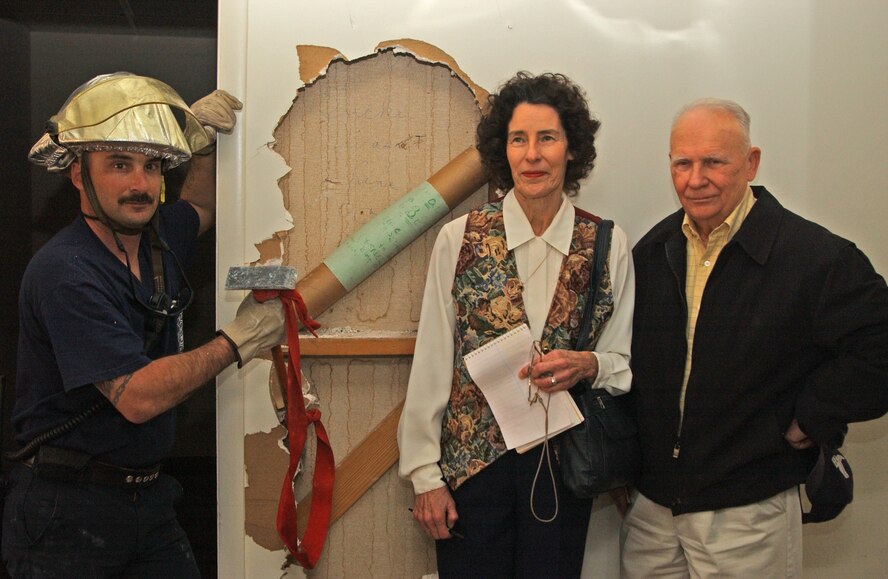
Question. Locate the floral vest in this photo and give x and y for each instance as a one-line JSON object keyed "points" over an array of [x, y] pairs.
{"points": [[487, 296]]}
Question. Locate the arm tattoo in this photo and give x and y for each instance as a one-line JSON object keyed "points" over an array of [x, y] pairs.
{"points": [[106, 388]]}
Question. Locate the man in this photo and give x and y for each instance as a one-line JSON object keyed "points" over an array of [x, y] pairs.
{"points": [[758, 336], [101, 365]]}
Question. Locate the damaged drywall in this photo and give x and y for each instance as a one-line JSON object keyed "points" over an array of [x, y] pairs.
{"points": [[264, 486], [314, 60], [359, 135]]}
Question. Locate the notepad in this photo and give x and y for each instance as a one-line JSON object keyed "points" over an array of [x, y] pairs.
{"points": [[494, 367]]}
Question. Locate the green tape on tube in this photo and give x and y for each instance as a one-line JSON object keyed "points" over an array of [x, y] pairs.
{"points": [[381, 238]]}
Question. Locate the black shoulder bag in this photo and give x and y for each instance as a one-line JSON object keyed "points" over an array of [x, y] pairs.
{"points": [[602, 453]]}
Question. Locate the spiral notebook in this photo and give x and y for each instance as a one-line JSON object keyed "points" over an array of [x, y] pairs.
{"points": [[494, 368]]}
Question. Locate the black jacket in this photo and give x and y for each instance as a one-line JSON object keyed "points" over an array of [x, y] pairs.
{"points": [[793, 324]]}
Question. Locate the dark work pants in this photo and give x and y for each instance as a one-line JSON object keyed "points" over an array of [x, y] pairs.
{"points": [[502, 537], [67, 529]]}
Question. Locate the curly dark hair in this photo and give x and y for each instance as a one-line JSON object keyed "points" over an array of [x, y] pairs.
{"points": [[560, 93]]}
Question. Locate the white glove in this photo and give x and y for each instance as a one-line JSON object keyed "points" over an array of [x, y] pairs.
{"points": [[256, 328], [216, 112]]}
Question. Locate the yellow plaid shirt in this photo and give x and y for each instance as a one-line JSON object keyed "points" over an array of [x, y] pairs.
{"points": [[701, 259]]}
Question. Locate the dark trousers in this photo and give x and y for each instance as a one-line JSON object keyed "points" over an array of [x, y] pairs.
{"points": [[502, 538], [57, 528]]}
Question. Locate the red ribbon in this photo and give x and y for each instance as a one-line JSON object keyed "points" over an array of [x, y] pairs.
{"points": [[308, 550]]}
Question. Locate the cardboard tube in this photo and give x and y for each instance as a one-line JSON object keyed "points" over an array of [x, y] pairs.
{"points": [[455, 182], [459, 178]]}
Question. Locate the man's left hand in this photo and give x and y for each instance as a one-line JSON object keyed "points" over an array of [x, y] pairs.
{"points": [[622, 497], [216, 112], [796, 438]]}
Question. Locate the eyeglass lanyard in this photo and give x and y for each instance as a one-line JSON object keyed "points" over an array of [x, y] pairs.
{"points": [[544, 453], [547, 455]]}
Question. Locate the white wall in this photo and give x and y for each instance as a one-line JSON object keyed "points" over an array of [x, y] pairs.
{"points": [[812, 74]]}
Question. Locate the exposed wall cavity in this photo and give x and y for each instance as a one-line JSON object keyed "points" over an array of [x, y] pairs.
{"points": [[359, 135]]}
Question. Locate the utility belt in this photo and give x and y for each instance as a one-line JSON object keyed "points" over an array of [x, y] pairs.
{"points": [[71, 466]]}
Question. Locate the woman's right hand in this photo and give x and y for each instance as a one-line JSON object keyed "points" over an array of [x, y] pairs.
{"points": [[435, 511]]}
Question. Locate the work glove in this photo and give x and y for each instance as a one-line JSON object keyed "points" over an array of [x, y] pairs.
{"points": [[216, 113], [256, 328]]}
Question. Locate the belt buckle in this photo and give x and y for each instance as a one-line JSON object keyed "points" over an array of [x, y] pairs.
{"points": [[139, 480]]}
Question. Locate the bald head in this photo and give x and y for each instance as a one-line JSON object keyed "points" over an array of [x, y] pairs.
{"points": [[722, 106]]}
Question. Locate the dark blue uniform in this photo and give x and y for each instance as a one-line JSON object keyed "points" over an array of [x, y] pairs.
{"points": [[80, 324]]}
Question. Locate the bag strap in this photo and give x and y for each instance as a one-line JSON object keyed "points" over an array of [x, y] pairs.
{"points": [[602, 244]]}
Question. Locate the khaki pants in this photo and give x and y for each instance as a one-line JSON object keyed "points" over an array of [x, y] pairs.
{"points": [[763, 539]]}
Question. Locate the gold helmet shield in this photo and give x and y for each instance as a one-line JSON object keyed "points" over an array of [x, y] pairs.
{"points": [[120, 111]]}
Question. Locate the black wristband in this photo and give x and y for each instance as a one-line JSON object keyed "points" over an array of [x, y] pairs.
{"points": [[240, 362]]}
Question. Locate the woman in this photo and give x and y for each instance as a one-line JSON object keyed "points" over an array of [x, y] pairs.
{"points": [[523, 259]]}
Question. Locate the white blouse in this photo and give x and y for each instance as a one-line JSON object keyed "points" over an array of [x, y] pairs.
{"points": [[539, 262]]}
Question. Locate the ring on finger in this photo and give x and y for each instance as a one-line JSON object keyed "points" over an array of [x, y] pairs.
{"points": [[554, 381]]}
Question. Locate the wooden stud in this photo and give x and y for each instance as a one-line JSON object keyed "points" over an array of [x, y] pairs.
{"points": [[363, 466]]}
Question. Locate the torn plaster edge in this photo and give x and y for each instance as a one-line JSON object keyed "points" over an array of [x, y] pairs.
{"points": [[259, 557], [266, 217], [259, 412], [313, 64], [314, 61], [265, 214], [271, 250], [425, 52]]}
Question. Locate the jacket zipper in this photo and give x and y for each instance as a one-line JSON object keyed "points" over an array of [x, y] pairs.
{"points": [[676, 448]]}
